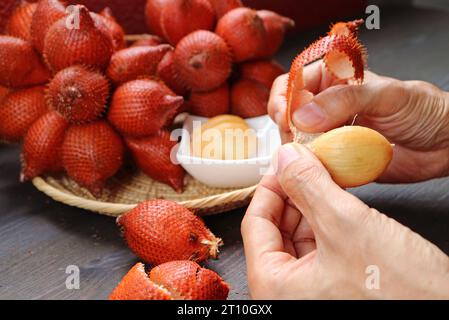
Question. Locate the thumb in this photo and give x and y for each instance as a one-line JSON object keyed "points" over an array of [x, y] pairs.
{"points": [[331, 211]]}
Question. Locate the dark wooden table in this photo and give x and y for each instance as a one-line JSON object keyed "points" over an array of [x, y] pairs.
{"points": [[39, 238]]}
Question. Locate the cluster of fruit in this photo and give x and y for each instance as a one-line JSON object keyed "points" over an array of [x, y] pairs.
{"points": [[79, 98]]}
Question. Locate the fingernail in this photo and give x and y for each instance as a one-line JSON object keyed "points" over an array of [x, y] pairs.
{"points": [[286, 155], [309, 115]]}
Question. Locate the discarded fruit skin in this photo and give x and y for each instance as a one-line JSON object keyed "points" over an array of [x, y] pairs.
{"points": [[182, 17], [262, 71], [136, 285], [212, 103], [153, 12], [150, 40], [141, 108], [113, 28], [42, 146], [132, 63], [190, 281], [19, 24], [221, 7], [160, 231], [166, 71], [20, 65], [276, 27], [78, 94], [152, 156], [249, 99], [88, 45], [203, 61], [91, 154], [244, 31], [46, 14], [353, 155], [19, 110]]}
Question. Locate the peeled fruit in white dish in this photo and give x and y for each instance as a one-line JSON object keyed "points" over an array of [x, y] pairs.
{"points": [[353, 155], [225, 137]]}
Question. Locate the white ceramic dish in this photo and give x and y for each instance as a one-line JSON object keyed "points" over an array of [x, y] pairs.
{"points": [[231, 173]]}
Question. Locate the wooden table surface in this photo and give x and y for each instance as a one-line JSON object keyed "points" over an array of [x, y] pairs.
{"points": [[39, 238]]}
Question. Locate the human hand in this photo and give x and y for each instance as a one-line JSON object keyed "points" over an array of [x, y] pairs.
{"points": [[306, 238], [414, 115]]}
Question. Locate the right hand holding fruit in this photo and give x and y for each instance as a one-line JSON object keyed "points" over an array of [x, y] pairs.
{"points": [[413, 115]]}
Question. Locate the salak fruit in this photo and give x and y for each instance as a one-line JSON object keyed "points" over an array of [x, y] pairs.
{"points": [[160, 231], [177, 280], [153, 156], [249, 99], [19, 24], [212, 103], [276, 27], [141, 108], [91, 154], [353, 155], [78, 94], [262, 71]]}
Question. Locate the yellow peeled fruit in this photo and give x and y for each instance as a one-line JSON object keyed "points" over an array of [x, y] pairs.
{"points": [[354, 156], [225, 137]]}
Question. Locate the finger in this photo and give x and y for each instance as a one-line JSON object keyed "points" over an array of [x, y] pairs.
{"points": [[260, 226], [277, 104], [338, 104], [304, 239], [309, 186]]}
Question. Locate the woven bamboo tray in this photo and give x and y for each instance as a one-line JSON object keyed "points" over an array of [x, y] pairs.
{"points": [[126, 190]]}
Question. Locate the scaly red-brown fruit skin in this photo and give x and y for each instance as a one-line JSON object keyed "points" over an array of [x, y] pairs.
{"points": [[190, 281], [244, 32], [153, 156], [87, 45], [20, 65], [91, 154], [46, 14], [19, 110], [203, 61], [19, 24], [212, 103], [113, 28], [142, 107], [160, 231], [78, 94], [135, 62], [136, 285], [221, 7], [276, 27], [182, 17], [153, 12], [3, 92], [249, 99], [262, 71], [166, 71], [42, 146], [150, 40]]}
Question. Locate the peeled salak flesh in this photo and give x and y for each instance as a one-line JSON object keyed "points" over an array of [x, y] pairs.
{"points": [[160, 231], [42, 146], [91, 154], [203, 61], [141, 108], [153, 156], [19, 110], [212, 103], [276, 27], [78, 94], [353, 155], [19, 24], [132, 63], [20, 65], [46, 14], [249, 99], [182, 17], [176, 280], [244, 31], [87, 45], [262, 71]]}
